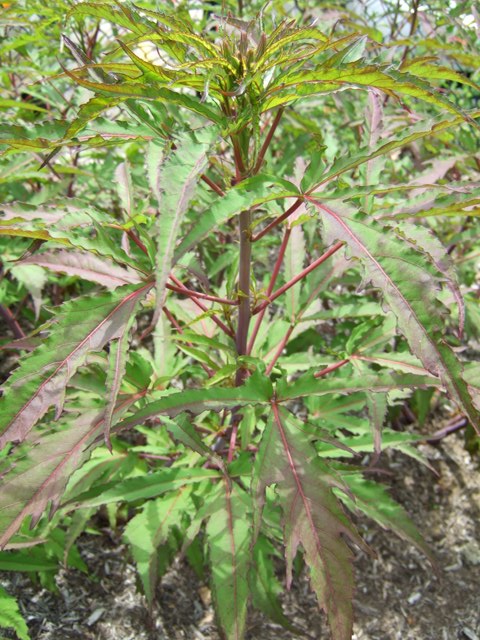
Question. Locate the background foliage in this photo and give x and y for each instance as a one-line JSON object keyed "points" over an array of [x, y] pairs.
{"points": [[131, 150]]}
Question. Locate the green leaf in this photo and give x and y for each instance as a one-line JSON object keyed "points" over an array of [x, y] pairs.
{"points": [[312, 515], [264, 584], [178, 176], [307, 384], [10, 616], [229, 537], [388, 80], [141, 487], [257, 390], [249, 193], [142, 92], [398, 140], [373, 500], [150, 529]]}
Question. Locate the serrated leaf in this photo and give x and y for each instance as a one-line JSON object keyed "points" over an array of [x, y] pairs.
{"points": [[141, 487], [150, 529], [161, 94], [312, 515], [39, 475], [249, 193], [117, 361], [125, 187], [408, 287], [179, 175], [307, 384], [84, 265], [264, 584], [83, 326], [229, 536], [396, 141], [257, 390], [373, 500], [10, 616]]}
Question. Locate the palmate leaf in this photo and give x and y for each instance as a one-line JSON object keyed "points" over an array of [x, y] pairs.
{"points": [[312, 515], [83, 326], [178, 177], [408, 287]]}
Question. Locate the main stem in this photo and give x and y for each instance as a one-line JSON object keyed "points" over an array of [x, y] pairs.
{"points": [[243, 290]]}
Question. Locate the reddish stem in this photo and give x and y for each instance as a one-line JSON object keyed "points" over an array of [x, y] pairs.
{"points": [[278, 220], [12, 323], [233, 439], [199, 304], [276, 270], [133, 236], [268, 140], [280, 349], [330, 368], [172, 320], [202, 296], [299, 276], [239, 166], [213, 185]]}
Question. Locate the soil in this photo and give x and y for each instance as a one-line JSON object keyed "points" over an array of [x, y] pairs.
{"points": [[399, 597]]}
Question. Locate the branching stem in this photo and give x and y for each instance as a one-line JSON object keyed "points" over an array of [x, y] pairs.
{"points": [[299, 277], [201, 306], [273, 279], [278, 220]]}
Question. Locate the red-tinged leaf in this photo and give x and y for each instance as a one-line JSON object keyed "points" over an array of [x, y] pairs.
{"points": [[83, 326], [229, 536], [409, 287], [424, 240], [312, 515], [38, 475], [423, 68], [141, 92], [117, 358], [386, 79], [105, 11], [293, 264], [85, 265]]}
